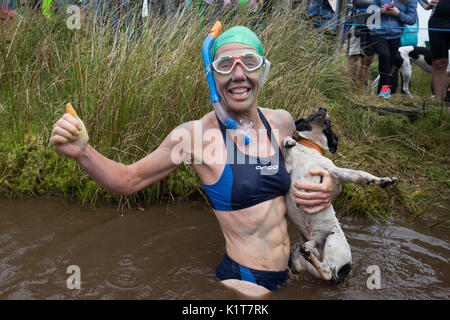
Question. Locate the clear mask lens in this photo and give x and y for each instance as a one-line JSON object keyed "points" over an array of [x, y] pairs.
{"points": [[250, 62]]}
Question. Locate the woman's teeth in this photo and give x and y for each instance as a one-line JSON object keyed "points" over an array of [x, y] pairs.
{"points": [[239, 91]]}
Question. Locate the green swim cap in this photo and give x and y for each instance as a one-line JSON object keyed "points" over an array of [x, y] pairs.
{"points": [[238, 34]]}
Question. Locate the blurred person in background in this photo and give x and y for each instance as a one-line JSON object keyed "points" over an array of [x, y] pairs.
{"points": [[360, 54], [440, 44], [385, 40]]}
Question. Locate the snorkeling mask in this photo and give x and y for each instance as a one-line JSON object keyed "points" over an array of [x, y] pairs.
{"points": [[225, 65]]}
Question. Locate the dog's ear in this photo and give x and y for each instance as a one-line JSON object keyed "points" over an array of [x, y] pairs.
{"points": [[333, 142], [332, 139], [299, 121], [302, 125]]}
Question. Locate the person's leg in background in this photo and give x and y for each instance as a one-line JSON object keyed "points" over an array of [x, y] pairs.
{"points": [[394, 44], [381, 47], [439, 43], [394, 80], [439, 78], [353, 52], [367, 56], [362, 73], [353, 65]]}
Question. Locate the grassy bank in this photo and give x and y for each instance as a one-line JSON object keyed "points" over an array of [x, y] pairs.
{"points": [[131, 90]]}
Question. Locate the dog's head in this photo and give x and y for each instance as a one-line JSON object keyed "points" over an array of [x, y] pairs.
{"points": [[317, 127]]}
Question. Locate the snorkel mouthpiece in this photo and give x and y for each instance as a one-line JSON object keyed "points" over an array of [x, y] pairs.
{"points": [[223, 116]]}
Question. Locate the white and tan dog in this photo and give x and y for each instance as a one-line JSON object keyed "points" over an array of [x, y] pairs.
{"points": [[323, 249]]}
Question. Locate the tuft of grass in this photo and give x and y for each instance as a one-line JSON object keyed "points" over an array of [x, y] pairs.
{"points": [[393, 145]]}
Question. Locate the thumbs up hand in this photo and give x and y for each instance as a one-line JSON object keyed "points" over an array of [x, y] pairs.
{"points": [[69, 135]]}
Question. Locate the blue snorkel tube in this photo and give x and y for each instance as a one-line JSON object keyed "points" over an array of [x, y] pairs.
{"points": [[223, 116]]}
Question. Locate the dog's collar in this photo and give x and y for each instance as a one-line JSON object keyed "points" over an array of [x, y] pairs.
{"points": [[308, 143]]}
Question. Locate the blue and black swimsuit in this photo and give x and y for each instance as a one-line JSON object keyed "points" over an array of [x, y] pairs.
{"points": [[246, 181]]}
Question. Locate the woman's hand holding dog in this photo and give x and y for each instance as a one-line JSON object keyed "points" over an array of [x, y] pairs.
{"points": [[317, 196]]}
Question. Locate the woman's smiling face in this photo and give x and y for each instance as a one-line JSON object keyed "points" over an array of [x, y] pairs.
{"points": [[239, 89]]}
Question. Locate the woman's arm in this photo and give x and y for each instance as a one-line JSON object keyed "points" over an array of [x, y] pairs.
{"points": [[127, 179], [431, 4], [113, 176], [410, 14]]}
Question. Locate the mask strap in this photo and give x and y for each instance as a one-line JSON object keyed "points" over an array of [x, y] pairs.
{"points": [[266, 70]]}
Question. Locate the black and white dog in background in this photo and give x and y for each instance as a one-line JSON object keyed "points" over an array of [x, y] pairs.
{"points": [[420, 56]]}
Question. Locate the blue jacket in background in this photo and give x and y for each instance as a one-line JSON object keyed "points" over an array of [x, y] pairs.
{"points": [[319, 8], [407, 15], [322, 9]]}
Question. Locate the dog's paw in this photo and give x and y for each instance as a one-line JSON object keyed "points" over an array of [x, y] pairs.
{"points": [[288, 142], [385, 182]]}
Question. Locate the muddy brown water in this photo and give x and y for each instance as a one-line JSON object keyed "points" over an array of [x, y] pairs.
{"points": [[171, 252]]}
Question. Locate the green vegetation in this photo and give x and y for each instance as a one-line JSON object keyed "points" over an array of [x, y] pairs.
{"points": [[131, 91]]}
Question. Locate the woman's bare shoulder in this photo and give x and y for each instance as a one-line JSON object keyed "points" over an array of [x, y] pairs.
{"points": [[279, 118]]}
